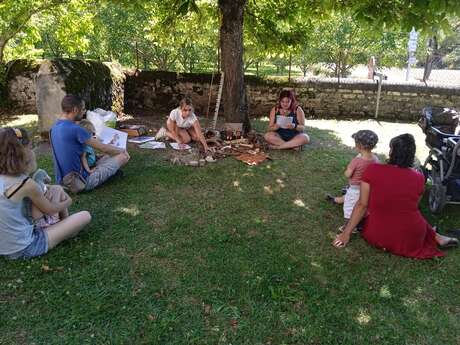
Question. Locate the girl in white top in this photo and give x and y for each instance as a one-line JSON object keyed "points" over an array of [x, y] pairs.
{"points": [[183, 126]]}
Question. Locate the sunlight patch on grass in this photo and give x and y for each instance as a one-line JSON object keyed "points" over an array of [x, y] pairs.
{"points": [[268, 190], [280, 182], [410, 302], [237, 185], [385, 292], [363, 317], [419, 290], [300, 203], [131, 211], [24, 120], [316, 265]]}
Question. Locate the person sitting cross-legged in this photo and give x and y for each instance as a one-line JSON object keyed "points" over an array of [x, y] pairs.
{"points": [[287, 124]]}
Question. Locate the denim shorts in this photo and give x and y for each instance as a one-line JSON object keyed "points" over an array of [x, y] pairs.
{"points": [[38, 247], [287, 134]]}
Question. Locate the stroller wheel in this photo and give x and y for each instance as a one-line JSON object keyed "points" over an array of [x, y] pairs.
{"points": [[437, 198]]}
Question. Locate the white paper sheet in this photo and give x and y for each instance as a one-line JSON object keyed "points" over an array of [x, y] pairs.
{"points": [[113, 137], [177, 146], [140, 140], [153, 145], [283, 121]]}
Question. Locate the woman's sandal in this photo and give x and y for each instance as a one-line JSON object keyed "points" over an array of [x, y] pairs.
{"points": [[451, 243], [341, 228]]}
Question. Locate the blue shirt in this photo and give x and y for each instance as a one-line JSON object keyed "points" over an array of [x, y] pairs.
{"points": [[68, 141]]}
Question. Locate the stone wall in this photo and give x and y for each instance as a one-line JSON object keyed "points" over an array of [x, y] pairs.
{"points": [[21, 85], [148, 91], [39, 86]]}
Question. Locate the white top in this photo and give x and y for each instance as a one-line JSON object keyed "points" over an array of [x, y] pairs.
{"points": [[176, 116]]}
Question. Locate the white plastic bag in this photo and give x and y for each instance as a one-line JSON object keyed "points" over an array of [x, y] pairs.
{"points": [[109, 117], [97, 121]]}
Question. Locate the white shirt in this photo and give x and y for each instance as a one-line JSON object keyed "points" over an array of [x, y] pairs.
{"points": [[176, 116]]}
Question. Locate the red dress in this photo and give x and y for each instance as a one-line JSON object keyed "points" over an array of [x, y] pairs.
{"points": [[394, 222]]}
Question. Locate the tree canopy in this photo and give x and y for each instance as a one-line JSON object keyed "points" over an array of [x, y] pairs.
{"points": [[183, 35]]}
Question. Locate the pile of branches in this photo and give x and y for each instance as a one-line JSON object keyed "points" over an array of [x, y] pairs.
{"points": [[251, 150]]}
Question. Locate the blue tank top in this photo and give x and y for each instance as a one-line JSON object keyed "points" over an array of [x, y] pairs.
{"points": [[15, 229]]}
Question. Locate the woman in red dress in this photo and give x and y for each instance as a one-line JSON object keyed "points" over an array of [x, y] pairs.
{"points": [[390, 194]]}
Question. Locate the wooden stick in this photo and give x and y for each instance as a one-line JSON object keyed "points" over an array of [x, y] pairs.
{"points": [[219, 97]]}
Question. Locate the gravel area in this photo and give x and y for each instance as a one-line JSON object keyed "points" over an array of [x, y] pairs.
{"points": [[343, 129]]}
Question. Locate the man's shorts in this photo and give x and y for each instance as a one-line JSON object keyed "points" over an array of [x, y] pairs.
{"points": [[38, 247], [106, 167]]}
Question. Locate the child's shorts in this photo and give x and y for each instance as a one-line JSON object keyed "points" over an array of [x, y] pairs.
{"points": [[38, 247], [350, 200], [46, 221]]}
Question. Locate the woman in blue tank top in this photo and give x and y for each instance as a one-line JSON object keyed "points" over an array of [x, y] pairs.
{"points": [[19, 237], [287, 124]]}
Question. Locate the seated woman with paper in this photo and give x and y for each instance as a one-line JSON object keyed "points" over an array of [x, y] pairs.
{"points": [[287, 124], [183, 126]]}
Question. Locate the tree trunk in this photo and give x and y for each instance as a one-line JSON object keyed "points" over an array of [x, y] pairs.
{"points": [[231, 45], [2, 49]]}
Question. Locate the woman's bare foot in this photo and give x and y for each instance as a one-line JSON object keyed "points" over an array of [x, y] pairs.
{"points": [[445, 242]]}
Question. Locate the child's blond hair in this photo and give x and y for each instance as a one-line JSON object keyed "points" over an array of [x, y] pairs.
{"points": [[87, 124]]}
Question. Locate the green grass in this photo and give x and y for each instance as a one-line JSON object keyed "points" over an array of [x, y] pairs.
{"points": [[227, 254]]}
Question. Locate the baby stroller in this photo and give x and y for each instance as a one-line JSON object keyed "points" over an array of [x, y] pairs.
{"points": [[442, 166]]}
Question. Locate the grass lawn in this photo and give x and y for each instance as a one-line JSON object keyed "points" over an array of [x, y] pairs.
{"points": [[228, 254]]}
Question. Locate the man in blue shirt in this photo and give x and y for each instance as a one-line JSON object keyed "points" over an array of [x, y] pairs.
{"points": [[68, 140]]}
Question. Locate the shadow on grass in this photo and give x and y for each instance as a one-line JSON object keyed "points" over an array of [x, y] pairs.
{"points": [[226, 253]]}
